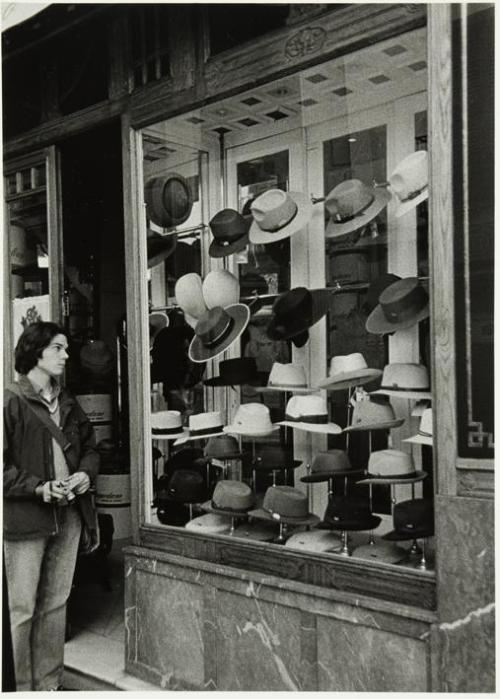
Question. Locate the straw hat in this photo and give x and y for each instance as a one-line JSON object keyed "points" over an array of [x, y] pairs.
{"points": [[351, 205], [220, 288], [310, 414], [424, 434], [373, 414], [278, 215], [348, 370], [189, 295], [405, 380], [409, 181], [202, 426], [392, 466], [287, 377], [252, 420]]}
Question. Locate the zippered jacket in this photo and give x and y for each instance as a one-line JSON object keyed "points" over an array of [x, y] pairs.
{"points": [[29, 460]]}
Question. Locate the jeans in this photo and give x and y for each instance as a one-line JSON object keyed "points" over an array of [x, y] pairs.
{"points": [[39, 577]]}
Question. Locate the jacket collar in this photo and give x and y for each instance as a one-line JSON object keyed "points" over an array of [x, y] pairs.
{"points": [[31, 393]]}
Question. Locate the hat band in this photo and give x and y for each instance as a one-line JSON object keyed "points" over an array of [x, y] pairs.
{"points": [[291, 386], [205, 430], [309, 419], [399, 476], [230, 509], [339, 218], [221, 336], [276, 229], [394, 387], [413, 195], [278, 517], [424, 434], [166, 430]]}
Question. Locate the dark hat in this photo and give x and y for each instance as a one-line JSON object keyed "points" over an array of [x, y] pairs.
{"points": [[159, 247], [187, 458], [222, 447], [238, 372], [375, 289], [216, 330], [273, 457], [295, 311], [170, 362], [230, 498], [182, 486], [168, 200], [230, 231], [401, 305], [328, 464], [412, 519], [285, 504], [349, 514]]}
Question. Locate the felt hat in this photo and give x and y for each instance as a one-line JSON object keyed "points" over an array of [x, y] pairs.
{"points": [[375, 413], [220, 288], [252, 420], [409, 181], [189, 296], [202, 426], [310, 414], [314, 541], [238, 372], [230, 231], [285, 504], [159, 247], [405, 380], [401, 305], [412, 519], [166, 424], [209, 524], [274, 457], [349, 513], [287, 377], [222, 447], [392, 466], [424, 434], [295, 311], [182, 486], [169, 354], [328, 464], [216, 331], [348, 370], [168, 200], [277, 215], [351, 205], [232, 498], [96, 359], [376, 287], [186, 458]]}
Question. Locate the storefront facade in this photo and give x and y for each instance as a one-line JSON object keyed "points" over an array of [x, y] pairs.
{"points": [[325, 94]]}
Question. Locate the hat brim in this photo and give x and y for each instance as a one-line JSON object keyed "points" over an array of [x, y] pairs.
{"points": [[320, 307], [375, 426], [420, 439], [417, 395], [326, 475], [260, 513], [301, 219], [258, 381], [347, 379], [287, 389], [381, 198], [208, 507], [197, 526], [407, 206], [187, 437], [232, 429], [321, 428], [379, 552], [419, 476], [420, 533], [254, 532], [217, 250], [198, 353], [352, 525], [168, 437], [377, 323], [314, 541]]}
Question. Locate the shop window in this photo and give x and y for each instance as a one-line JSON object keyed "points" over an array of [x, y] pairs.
{"points": [[148, 26], [231, 25]]}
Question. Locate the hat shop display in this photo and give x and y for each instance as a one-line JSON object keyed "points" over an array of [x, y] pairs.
{"points": [[231, 499], [346, 514], [424, 434], [183, 487], [222, 447], [272, 458], [412, 520], [405, 380], [287, 506], [230, 233], [189, 297], [347, 371], [252, 420], [373, 413], [310, 414], [168, 200], [287, 378], [217, 330], [202, 426], [392, 466], [409, 181], [278, 215], [401, 305], [327, 465], [238, 372], [313, 541], [295, 311], [167, 425], [351, 205]]}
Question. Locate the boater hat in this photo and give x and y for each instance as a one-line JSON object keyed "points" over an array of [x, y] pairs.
{"points": [[412, 519], [392, 466], [295, 311], [222, 447], [241, 371], [401, 305], [403, 380], [216, 331], [349, 514], [348, 370], [287, 377], [201, 426], [230, 231], [166, 424], [373, 414], [327, 464], [230, 498], [285, 504], [168, 200], [220, 288], [409, 181], [310, 414], [351, 205], [424, 434], [278, 215], [252, 420]]}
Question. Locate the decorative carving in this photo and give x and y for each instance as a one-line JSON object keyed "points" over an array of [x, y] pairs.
{"points": [[308, 40], [477, 438]]}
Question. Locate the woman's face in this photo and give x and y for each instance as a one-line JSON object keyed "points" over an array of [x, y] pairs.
{"points": [[54, 356]]}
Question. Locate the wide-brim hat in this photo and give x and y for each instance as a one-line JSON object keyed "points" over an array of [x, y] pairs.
{"points": [[412, 519], [239, 315], [389, 424], [420, 439], [352, 524], [301, 218], [188, 437], [401, 305], [184, 486], [348, 513], [316, 428], [241, 371], [388, 480], [373, 414], [277, 380], [410, 179], [167, 437], [230, 231], [286, 505], [377, 286], [402, 393], [346, 379], [326, 475], [308, 519], [379, 196], [295, 311], [286, 389], [159, 247], [168, 200]]}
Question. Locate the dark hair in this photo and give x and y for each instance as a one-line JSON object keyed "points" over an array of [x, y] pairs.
{"points": [[35, 338]]}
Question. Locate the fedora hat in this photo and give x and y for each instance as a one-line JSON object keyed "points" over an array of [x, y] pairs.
{"points": [[351, 205], [376, 287], [230, 498], [183, 486], [230, 231], [309, 413], [189, 295], [96, 359], [287, 377], [274, 457], [405, 381], [168, 200], [314, 541], [392, 466], [349, 513], [222, 447], [409, 181], [295, 311], [201, 426], [375, 413], [278, 214], [220, 288], [209, 524], [159, 247], [238, 372], [412, 519], [253, 420], [166, 424], [327, 464], [216, 331], [186, 458], [348, 370], [285, 504], [401, 305], [424, 434]]}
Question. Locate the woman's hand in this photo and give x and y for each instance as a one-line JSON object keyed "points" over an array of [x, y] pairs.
{"points": [[78, 482]]}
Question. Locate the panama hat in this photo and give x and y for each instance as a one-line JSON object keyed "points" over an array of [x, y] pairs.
{"points": [[310, 414], [238, 372], [252, 420], [285, 504], [230, 231], [373, 414], [159, 247], [166, 424], [314, 541], [189, 295], [222, 447], [351, 205], [328, 464], [401, 305], [295, 311], [409, 181], [405, 380], [230, 498], [216, 331], [412, 519], [376, 287], [287, 377], [202, 426], [209, 524], [349, 513], [424, 434], [278, 215], [392, 466], [348, 370], [220, 288], [168, 200]]}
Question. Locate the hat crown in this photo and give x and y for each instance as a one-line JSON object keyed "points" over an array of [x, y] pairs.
{"points": [[168, 199], [346, 363], [273, 209], [349, 198], [370, 412], [203, 421], [410, 176], [185, 485], [222, 447], [426, 427], [411, 515], [403, 299], [228, 225], [189, 295], [238, 369], [304, 406], [253, 416], [220, 288], [376, 288], [212, 325], [232, 495], [293, 375], [341, 508], [288, 304], [166, 419], [401, 376], [333, 460], [391, 463], [285, 501]]}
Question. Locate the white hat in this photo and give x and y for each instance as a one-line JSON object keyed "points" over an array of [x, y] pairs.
{"points": [[424, 434], [202, 426], [316, 540], [209, 524], [409, 181], [278, 215], [189, 295], [405, 381], [348, 370], [392, 466], [220, 288], [309, 413], [373, 415], [253, 420], [166, 424], [287, 377]]}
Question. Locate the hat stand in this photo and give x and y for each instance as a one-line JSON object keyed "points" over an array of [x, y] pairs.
{"points": [[282, 536]]}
